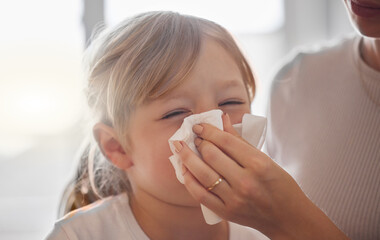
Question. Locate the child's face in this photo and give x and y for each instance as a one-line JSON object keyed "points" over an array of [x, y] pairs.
{"points": [[215, 82]]}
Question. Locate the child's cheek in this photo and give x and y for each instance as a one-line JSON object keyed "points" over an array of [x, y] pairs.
{"points": [[237, 116], [172, 126]]}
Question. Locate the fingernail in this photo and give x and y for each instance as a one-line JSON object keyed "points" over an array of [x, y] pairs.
{"points": [[184, 169], [197, 129], [197, 141], [178, 146], [226, 116]]}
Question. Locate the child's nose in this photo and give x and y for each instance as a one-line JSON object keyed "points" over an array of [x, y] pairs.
{"points": [[206, 106]]}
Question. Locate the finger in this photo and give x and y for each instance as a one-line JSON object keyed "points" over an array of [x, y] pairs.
{"points": [[203, 172], [201, 195], [227, 125], [218, 160], [234, 147]]}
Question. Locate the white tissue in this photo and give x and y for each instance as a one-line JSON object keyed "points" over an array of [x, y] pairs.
{"points": [[252, 129]]}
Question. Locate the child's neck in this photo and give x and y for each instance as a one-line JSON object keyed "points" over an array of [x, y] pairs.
{"points": [[161, 220]]}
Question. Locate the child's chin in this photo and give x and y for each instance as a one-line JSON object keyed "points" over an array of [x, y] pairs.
{"points": [[191, 202], [186, 200]]}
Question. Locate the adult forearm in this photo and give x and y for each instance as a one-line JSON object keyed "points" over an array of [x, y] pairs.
{"points": [[312, 224]]}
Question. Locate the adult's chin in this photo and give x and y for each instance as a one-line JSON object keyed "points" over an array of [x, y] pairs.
{"points": [[364, 17], [367, 30]]}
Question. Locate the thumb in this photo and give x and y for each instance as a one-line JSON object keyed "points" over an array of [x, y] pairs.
{"points": [[227, 125]]}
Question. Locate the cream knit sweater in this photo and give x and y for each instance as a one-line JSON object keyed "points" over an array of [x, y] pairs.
{"points": [[324, 129]]}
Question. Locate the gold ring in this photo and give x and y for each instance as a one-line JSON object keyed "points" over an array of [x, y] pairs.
{"points": [[215, 184]]}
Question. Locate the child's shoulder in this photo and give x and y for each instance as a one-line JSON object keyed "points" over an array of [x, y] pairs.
{"points": [[239, 232], [104, 219], [98, 208]]}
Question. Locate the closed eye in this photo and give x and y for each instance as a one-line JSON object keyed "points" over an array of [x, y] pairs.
{"points": [[231, 102], [173, 114]]}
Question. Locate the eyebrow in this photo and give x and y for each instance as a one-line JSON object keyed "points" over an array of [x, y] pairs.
{"points": [[220, 85], [231, 83]]}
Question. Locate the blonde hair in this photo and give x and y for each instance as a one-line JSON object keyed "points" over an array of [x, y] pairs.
{"points": [[139, 60]]}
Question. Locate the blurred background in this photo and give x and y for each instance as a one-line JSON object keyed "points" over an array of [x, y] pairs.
{"points": [[42, 122]]}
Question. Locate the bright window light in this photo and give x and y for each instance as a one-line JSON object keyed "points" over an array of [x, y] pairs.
{"points": [[41, 47], [239, 16]]}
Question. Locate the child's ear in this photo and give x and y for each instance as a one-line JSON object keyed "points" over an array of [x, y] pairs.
{"points": [[110, 146]]}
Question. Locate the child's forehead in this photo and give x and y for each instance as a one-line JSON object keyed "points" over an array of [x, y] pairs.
{"points": [[215, 64], [183, 90]]}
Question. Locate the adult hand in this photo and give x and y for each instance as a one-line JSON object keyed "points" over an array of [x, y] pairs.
{"points": [[255, 191]]}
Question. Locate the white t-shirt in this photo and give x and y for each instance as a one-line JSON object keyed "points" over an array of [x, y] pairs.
{"points": [[112, 218], [324, 129]]}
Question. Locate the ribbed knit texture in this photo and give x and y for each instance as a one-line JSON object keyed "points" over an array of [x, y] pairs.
{"points": [[324, 129]]}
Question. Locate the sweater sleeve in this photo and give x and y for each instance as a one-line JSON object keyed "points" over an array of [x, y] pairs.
{"points": [[58, 233], [284, 76]]}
